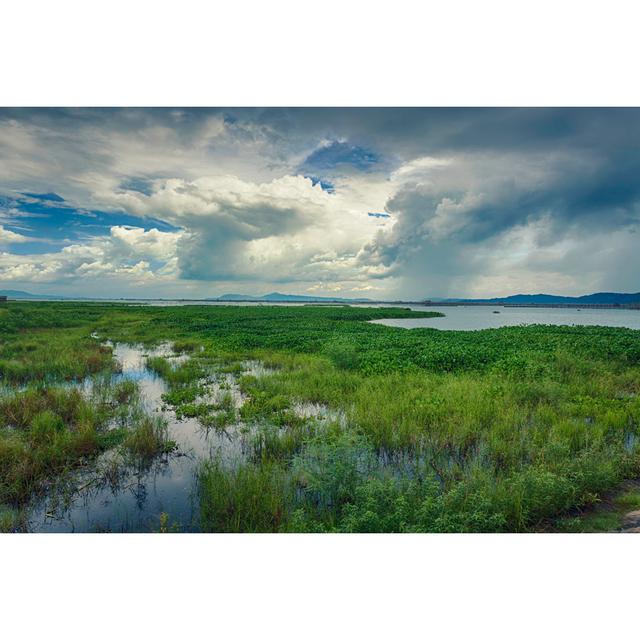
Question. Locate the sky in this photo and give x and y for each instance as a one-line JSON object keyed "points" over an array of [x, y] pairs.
{"points": [[386, 203]]}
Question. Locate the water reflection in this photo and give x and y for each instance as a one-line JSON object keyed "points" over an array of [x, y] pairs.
{"points": [[110, 495], [473, 318]]}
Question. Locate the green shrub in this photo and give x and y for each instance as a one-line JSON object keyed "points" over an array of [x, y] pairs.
{"points": [[331, 466]]}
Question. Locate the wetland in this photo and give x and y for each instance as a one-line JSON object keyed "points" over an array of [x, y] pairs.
{"points": [[129, 418]]}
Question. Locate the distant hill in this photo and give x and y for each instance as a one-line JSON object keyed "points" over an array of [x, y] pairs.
{"points": [[284, 297], [13, 294], [544, 298]]}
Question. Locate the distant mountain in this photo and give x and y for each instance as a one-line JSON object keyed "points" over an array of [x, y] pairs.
{"points": [[12, 294], [284, 297], [232, 297], [544, 298]]}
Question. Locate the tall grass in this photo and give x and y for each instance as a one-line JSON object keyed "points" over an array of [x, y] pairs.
{"points": [[148, 438], [43, 433], [248, 498]]}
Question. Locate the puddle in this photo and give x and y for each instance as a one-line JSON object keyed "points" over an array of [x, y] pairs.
{"points": [[108, 495], [123, 498], [629, 441], [256, 368], [320, 412]]}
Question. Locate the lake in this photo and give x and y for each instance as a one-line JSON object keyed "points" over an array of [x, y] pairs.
{"points": [[473, 318], [462, 318]]}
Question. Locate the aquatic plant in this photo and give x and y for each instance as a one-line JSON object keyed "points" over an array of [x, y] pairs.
{"points": [[247, 498], [148, 438]]}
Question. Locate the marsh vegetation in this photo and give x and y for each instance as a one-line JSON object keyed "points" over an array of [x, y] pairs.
{"points": [[317, 420]]}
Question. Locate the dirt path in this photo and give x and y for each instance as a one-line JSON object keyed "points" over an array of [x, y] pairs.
{"points": [[631, 522], [617, 512]]}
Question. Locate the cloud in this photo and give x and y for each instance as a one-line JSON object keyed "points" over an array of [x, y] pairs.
{"points": [[287, 228], [459, 220], [194, 199], [136, 242], [132, 254], [8, 237]]}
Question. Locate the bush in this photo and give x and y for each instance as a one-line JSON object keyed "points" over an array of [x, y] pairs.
{"points": [[331, 466]]}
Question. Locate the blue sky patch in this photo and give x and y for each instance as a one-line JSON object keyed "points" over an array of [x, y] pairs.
{"points": [[50, 197], [53, 223], [325, 185], [336, 154]]}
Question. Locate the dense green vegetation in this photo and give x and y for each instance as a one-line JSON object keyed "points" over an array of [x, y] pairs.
{"points": [[510, 429], [47, 431]]}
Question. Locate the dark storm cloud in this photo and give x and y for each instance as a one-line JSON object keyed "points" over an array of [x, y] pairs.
{"points": [[457, 182]]}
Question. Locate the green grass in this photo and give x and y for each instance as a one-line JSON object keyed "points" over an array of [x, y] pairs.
{"points": [[249, 498], [11, 520], [148, 438], [45, 432], [603, 518], [509, 429], [596, 522], [628, 501]]}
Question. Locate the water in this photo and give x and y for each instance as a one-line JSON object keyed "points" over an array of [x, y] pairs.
{"points": [[472, 318], [459, 318], [111, 496]]}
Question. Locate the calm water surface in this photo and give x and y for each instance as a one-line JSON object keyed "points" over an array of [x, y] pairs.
{"points": [[111, 496], [474, 318]]}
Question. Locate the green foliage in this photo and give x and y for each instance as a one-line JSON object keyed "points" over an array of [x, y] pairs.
{"points": [[148, 438], [248, 498], [46, 432], [596, 522], [165, 524], [498, 430], [159, 365], [11, 520], [628, 501], [332, 465], [35, 356]]}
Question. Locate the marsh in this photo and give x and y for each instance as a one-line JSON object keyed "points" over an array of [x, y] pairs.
{"points": [[309, 418]]}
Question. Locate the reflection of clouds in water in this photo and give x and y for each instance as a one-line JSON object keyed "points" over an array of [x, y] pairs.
{"points": [[115, 496], [467, 318]]}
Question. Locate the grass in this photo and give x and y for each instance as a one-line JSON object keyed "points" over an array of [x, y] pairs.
{"points": [[45, 432], [148, 439], [49, 427], [628, 501], [11, 520], [604, 517], [510, 429], [249, 498]]}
